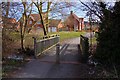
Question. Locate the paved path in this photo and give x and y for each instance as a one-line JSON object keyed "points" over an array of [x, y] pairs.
{"points": [[72, 41], [70, 64]]}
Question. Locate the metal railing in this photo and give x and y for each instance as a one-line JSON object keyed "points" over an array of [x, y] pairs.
{"points": [[45, 44]]}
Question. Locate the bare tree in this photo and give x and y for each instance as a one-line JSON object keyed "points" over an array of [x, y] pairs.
{"points": [[7, 41], [95, 8], [24, 21], [39, 7], [47, 16], [52, 10]]}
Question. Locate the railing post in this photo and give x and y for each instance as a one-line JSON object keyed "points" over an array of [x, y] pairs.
{"points": [[34, 46], [57, 53]]}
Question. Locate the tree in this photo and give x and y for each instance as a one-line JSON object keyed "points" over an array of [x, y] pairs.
{"points": [[108, 36], [7, 41], [24, 21], [14, 8], [39, 7], [108, 31], [50, 10], [47, 16]]}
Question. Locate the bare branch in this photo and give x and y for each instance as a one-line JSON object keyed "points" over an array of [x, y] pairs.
{"points": [[94, 11]]}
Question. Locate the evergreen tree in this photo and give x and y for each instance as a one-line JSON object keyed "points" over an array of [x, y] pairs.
{"points": [[108, 48]]}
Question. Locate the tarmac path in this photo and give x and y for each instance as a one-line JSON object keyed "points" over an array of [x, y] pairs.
{"points": [[45, 67]]}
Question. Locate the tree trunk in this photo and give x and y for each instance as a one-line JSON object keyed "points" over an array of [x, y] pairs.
{"points": [[7, 10], [47, 20], [40, 13], [21, 34]]}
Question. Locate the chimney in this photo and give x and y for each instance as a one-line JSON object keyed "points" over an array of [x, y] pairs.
{"points": [[71, 12]]}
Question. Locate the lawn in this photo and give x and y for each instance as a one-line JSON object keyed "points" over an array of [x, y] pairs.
{"points": [[28, 41], [67, 35]]}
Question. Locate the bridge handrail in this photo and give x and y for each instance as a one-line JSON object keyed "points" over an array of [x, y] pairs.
{"points": [[43, 45], [84, 46]]}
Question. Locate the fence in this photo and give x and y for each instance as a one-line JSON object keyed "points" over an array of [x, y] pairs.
{"points": [[84, 46], [45, 44]]}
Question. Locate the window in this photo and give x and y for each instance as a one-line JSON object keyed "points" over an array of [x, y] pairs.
{"points": [[30, 22], [38, 22]]}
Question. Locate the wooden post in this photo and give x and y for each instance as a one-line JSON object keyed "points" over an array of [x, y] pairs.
{"points": [[57, 53], [34, 46]]}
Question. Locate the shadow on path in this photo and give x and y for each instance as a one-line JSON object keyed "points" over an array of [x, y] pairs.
{"points": [[70, 64]]}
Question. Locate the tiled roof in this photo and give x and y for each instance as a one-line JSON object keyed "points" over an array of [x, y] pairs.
{"points": [[76, 17], [36, 17], [54, 22], [8, 20]]}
